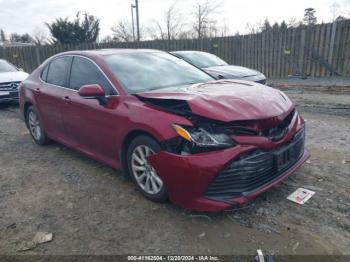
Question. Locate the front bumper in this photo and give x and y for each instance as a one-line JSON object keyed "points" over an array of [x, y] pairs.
{"points": [[6, 96], [190, 179]]}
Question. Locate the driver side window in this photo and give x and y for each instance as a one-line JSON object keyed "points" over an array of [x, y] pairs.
{"points": [[84, 72]]}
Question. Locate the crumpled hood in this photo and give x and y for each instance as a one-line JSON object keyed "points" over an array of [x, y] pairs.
{"points": [[232, 71], [226, 100], [13, 76]]}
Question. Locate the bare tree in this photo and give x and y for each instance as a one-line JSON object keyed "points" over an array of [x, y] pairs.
{"points": [[185, 34], [254, 28], [212, 29], [340, 12], [122, 31], [156, 31], [335, 10], [107, 39], [293, 22], [152, 31], [203, 13], [40, 36], [224, 30], [171, 26]]}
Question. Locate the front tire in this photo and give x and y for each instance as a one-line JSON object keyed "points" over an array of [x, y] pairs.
{"points": [[141, 171], [35, 127]]}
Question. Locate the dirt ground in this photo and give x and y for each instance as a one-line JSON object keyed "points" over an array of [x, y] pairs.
{"points": [[91, 209]]}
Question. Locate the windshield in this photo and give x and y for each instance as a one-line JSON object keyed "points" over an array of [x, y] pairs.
{"points": [[201, 59], [6, 67], [144, 71]]}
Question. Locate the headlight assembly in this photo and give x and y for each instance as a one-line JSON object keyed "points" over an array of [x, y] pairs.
{"points": [[199, 137]]}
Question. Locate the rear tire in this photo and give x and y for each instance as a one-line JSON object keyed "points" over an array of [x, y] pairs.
{"points": [[141, 171], [35, 127]]}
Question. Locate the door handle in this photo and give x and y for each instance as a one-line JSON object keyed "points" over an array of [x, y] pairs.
{"points": [[37, 90], [66, 99]]}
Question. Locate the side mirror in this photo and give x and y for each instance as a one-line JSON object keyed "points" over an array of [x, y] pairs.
{"points": [[93, 91]]}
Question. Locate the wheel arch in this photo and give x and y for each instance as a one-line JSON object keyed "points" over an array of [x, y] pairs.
{"points": [[25, 109], [126, 141]]}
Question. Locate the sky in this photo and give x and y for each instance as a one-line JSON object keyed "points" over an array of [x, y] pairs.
{"points": [[26, 16]]}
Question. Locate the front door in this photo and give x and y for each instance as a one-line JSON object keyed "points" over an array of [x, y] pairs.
{"points": [[91, 126]]}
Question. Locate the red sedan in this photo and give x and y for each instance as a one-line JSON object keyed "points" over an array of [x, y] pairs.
{"points": [[178, 133]]}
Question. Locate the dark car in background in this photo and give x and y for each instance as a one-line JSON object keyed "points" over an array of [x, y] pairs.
{"points": [[10, 79], [218, 68], [205, 144]]}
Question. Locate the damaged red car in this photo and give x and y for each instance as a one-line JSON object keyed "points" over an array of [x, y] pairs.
{"points": [[178, 133]]}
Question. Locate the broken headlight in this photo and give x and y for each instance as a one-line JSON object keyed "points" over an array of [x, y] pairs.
{"points": [[199, 137]]}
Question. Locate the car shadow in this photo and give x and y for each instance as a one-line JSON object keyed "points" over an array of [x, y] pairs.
{"points": [[8, 105]]}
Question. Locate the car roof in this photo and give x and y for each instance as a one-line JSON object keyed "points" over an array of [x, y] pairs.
{"points": [[111, 51], [187, 51]]}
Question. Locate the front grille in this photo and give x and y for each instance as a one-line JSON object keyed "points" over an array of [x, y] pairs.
{"points": [[9, 86], [255, 169]]}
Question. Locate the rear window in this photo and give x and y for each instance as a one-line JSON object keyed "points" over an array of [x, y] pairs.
{"points": [[57, 72]]}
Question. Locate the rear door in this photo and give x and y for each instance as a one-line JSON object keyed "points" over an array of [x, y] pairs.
{"points": [[91, 126], [50, 95]]}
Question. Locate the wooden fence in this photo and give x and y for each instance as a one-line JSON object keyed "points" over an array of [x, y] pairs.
{"points": [[315, 50]]}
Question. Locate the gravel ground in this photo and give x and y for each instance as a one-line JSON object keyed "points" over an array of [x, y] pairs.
{"points": [[339, 81], [321, 102], [91, 209]]}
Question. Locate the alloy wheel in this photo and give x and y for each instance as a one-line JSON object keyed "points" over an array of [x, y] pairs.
{"points": [[145, 175], [34, 125]]}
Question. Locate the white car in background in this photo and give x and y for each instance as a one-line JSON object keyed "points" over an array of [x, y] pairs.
{"points": [[10, 78]]}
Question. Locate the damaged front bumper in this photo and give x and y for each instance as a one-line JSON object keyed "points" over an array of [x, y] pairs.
{"points": [[214, 181]]}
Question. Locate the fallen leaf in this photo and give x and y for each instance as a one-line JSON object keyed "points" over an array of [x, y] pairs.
{"points": [[295, 246], [26, 245], [42, 237]]}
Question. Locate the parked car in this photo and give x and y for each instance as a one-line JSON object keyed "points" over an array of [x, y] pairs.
{"points": [[167, 124], [218, 68], [10, 78]]}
